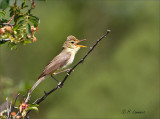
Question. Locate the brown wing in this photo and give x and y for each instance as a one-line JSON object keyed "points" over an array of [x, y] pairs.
{"points": [[58, 62]]}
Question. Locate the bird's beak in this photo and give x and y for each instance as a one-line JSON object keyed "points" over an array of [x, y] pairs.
{"points": [[79, 42]]}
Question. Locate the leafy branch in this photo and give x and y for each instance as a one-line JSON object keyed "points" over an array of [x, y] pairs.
{"points": [[24, 23]]}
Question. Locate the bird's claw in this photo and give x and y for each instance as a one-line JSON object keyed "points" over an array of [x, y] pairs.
{"points": [[60, 85]]}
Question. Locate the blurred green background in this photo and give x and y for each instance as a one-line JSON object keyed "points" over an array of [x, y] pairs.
{"points": [[121, 75]]}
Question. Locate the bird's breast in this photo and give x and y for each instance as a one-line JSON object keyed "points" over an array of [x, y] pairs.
{"points": [[70, 60]]}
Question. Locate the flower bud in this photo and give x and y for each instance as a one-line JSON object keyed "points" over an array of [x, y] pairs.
{"points": [[33, 5], [34, 39], [18, 117], [37, 29], [13, 113], [32, 29], [2, 30], [8, 28], [29, 36], [15, 32]]}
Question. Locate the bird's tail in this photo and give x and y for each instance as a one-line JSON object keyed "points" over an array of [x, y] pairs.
{"points": [[36, 84], [33, 87]]}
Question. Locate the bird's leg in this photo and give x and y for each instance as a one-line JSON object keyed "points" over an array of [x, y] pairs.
{"points": [[61, 71], [59, 83], [54, 78]]}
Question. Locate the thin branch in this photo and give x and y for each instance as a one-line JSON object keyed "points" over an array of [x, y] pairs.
{"points": [[9, 111], [4, 40], [60, 85], [11, 19], [16, 115], [15, 101], [7, 24]]}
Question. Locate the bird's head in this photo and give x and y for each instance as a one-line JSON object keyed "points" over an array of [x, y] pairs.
{"points": [[72, 43]]}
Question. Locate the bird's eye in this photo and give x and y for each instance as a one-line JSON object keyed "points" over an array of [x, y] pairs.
{"points": [[72, 42]]}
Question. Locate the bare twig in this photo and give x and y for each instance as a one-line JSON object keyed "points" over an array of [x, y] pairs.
{"points": [[11, 19], [9, 110], [5, 40], [7, 24], [60, 85], [35, 102], [15, 101], [16, 115]]}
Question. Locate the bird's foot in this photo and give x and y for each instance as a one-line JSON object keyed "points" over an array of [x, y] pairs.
{"points": [[60, 85]]}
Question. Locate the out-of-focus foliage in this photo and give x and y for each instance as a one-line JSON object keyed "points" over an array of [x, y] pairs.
{"points": [[20, 31], [4, 4], [120, 75]]}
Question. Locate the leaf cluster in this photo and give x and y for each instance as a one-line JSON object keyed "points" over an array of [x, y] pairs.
{"points": [[24, 26]]}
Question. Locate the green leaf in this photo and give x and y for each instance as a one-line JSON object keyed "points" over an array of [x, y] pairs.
{"points": [[11, 11], [3, 20], [23, 3], [21, 22], [17, 11], [28, 28], [33, 107], [26, 41], [4, 4], [19, 17], [25, 6], [35, 22], [34, 17], [2, 14], [29, 11], [16, 27]]}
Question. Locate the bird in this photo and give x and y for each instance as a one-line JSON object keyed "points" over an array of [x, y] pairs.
{"points": [[59, 63]]}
